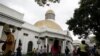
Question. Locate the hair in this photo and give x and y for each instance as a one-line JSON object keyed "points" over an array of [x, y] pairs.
{"points": [[83, 42], [7, 33], [56, 43]]}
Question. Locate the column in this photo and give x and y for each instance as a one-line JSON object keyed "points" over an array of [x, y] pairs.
{"points": [[46, 43], [17, 37], [1, 29], [63, 46], [70, 46]]}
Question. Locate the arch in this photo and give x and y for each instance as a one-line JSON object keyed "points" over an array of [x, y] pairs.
{"points": [[30, 45]]}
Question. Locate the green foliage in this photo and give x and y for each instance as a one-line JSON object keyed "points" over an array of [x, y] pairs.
{"points": [[86, 19], [44, 2]]}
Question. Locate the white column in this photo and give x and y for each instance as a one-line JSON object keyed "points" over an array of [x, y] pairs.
{"points": [[16, 33], [1, 29], [70, 47], [63, 46], [46, 41]]}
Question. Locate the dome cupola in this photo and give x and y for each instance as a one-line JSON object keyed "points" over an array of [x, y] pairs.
{"points": [[50, 14]]}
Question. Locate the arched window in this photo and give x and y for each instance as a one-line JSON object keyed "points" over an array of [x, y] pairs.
{"points": [[30, 45]]}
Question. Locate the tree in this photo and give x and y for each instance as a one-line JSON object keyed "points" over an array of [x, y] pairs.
{"points": [[44, 2], [86, 19]]}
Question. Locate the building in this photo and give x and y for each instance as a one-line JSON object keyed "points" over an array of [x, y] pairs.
{"points": [[76, 43], [43, 32]]}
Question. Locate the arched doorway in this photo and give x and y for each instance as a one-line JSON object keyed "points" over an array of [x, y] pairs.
{"points": [[30, 45]]}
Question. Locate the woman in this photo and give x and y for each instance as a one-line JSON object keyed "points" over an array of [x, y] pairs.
{"points": [[55, 49], [75, 52]]}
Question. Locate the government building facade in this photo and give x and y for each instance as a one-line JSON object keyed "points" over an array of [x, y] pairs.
{"points": [[43, 32]]}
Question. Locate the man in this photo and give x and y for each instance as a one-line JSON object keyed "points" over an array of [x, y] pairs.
{"points": [[66, 51], [9, 42], [83, 49]]}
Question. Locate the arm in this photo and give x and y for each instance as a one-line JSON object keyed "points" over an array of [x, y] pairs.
{"points": [[1, 41]]}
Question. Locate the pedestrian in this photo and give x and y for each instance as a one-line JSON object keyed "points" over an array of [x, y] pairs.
{"points": [[78, 51], [41, 51], [83, 49], [75, 51], [9, 43], [45, 51], [19, 51], [66, 51], [94, 50], [55, 49]]}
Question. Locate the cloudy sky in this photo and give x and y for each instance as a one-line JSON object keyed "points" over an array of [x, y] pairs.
{"points": [[33, 12]]}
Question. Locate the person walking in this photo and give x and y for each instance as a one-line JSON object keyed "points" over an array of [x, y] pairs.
{"points": [[19, 51], [66, 51], [55, 49], [9, 43], [83, 49], [94, 50], [75, 53]]}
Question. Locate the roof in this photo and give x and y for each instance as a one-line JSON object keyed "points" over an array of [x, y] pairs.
{"points": [[50, 11], [47, 24]]}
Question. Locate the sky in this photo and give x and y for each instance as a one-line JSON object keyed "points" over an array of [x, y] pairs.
{"points": [[33, 12]]}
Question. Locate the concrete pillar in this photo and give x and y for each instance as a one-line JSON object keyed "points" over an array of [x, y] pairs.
{"points": [[1, 29], [63, 46], [70, 47], [46, 42], [16, 35]]}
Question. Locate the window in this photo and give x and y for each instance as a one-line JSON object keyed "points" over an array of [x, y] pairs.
{"points": [[36, 36], [25, 34]]}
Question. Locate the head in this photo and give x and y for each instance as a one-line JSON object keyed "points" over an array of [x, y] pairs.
{"points": [[41, 47], [6, 29], [83, 42], [94, 45], [56, 43], [7, 33], [44, 46]]}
